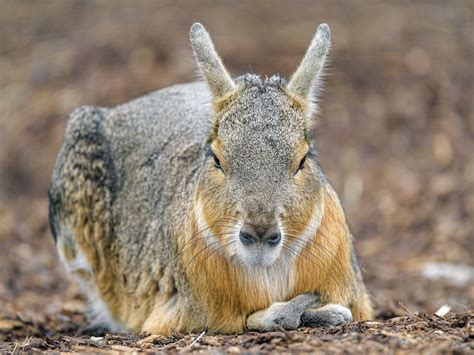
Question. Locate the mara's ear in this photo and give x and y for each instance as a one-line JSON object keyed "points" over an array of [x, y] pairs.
{"points": [[210, 65], [305, 82]]}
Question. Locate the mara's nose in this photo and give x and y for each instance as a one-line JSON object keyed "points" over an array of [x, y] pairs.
{"points": [[249, 236]]}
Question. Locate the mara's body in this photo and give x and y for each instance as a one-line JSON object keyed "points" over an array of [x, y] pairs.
{"points": [[176, 213]]}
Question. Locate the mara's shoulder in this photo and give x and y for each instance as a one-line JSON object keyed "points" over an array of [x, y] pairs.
{"points": [[177, 108]]}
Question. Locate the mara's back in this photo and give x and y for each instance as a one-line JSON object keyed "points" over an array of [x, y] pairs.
{"points": [[156, 145]]}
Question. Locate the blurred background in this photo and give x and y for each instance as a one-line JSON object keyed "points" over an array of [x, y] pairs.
{"points": [[396, 129]]}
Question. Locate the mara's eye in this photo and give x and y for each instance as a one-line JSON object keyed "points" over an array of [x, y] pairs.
{"points": [[302, 162], [217, 163]]}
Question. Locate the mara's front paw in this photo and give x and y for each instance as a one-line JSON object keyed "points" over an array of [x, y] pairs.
{"points": [[282, 315], [328, 315]]}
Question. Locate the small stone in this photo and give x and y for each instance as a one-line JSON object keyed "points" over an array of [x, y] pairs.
{"points": [[151, 339], [233, 349], [124, 349], [8, 324], [98, 340]]}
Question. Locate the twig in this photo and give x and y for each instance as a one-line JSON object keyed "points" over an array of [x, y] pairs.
{"points": [[196, 340], [16, 346], [402, 306], [25, 344]]}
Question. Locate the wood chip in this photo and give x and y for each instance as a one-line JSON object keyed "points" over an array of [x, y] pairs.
{"points": [[151, 339], [9, 324], [125, 349], [443, 310]]}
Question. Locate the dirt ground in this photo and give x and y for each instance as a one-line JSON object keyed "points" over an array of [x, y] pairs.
{"points": [[396, 137]]}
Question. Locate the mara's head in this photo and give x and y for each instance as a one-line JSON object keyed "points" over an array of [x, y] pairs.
{"points": [[259, 195]]}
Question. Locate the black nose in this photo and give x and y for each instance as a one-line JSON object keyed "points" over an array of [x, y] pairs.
{"points": [[248, 238], [272, 239]]}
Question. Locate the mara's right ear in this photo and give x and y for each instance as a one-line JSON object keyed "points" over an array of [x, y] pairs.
{"points": [[210, 65], [305, 82]]}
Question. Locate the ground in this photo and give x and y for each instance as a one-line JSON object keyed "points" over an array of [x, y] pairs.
{"points": [[395, 134], [413, 333]]}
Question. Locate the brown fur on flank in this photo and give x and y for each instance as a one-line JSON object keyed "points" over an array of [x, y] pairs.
{"points": [[200, 205]]}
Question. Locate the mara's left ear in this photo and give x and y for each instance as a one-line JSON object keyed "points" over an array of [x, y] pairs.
{"points": [[210, 65], [306, 81]]}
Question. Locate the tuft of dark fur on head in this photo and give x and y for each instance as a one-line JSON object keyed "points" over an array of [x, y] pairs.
{"points": [[253, 80]]}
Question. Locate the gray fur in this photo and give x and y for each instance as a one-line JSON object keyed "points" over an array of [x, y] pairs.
{"points": [[305, 80], [328, 315], [219, 81], [263, 128], [155, 143], [302, 310], [282, 315]]}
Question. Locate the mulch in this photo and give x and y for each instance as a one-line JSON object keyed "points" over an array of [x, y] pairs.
{"points": [[422, 332]]}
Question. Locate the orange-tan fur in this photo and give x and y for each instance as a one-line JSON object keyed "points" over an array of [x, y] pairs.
{"points": [[323, 267]]}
